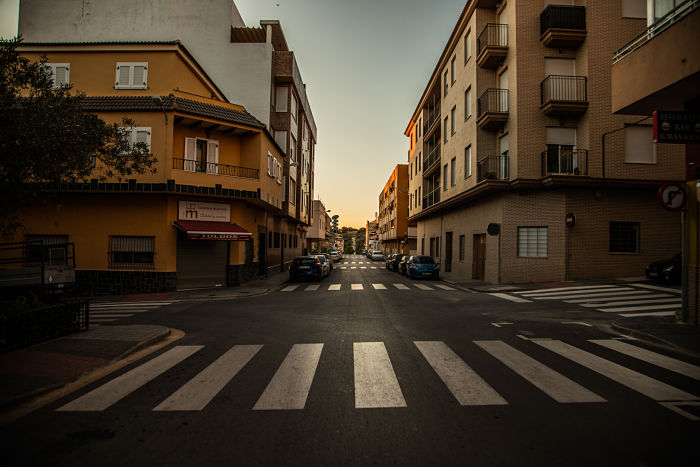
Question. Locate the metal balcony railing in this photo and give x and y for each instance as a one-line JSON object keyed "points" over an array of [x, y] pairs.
{"points": [[492, 100], [189, 165], [493, 35], [433, 116], [431, 198], [431, 158], [492, 168], [564, 160], [563, 17], [561, 88]]}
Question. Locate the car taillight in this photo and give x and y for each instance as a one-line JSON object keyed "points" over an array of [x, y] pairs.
{"points": [[317, 264]]}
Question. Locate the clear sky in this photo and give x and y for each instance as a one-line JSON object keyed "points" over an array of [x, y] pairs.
{"points": [[365, 64]]}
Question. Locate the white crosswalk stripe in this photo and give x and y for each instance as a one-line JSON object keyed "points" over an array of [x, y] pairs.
{"points": [[290, 288], [376, 383], [373, 285], [334, 287], [356, 287], [401, 286], [379, 286], [312, 288], [444, 287], [423, 287], [108, 312]]}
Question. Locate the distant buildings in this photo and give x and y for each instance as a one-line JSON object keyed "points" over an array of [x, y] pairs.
{"points": [[518, 169], [319, 235], [394, 235]]}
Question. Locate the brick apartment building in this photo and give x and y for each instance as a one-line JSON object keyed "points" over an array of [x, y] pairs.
{"points": [[669, 43], [514, 134], [393, 212], [319, 235]]}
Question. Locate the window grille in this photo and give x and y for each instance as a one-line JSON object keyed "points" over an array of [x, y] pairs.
{"points": [[624, 237], [33, 254], [532, 242], [131, 252]]}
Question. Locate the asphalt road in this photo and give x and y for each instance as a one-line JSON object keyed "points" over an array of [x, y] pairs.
{"points": [[385, 375]]}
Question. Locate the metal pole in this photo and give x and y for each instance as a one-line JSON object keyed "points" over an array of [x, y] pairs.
{"points": [[684, 270]]}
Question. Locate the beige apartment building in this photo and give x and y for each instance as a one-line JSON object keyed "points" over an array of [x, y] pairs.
{"points": [[319, 235], [518, 169], [669, 43], [393, 233]]}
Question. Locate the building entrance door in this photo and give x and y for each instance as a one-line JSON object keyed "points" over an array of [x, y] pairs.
{"points": [[479, 255], [448, 251]]}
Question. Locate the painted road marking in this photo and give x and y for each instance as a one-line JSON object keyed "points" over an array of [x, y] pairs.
{"points": [[655, 313], [638, 296], [423, 287], [632, 302], [642, 308], [109, 393], [289, 388], [444, 287], [643, 384], [200, 390], [555, 289], [555, 385], [289, 288], [463, 382], [656, 287], [356, 287], [379, 286], [401, 286], [510, 297], [648, 356], [334, 287], [375, 381], [312, 288]]}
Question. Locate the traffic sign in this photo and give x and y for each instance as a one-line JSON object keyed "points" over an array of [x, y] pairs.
{"points": [[570, 219], [672, 196]]}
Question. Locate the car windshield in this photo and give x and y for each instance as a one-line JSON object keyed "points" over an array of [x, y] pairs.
{"points": [[304, 261], [321, 258], [423, 260]]}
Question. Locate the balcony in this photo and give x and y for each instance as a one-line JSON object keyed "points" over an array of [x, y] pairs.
{"points": [[431, 198], [189, 165], [431, 161], [564, 160], [492, 45], [492, 168], [563, 95], [563, 26], [492, 109], [430, 124]]}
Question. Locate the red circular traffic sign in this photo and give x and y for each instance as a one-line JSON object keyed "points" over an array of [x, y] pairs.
{"points": [[570, 219], [672, 196]]}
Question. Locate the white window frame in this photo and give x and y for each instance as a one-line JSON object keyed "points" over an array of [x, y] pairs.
{"points": [[51, 67], [636, 139], [131, 133], [190, 163], [131, 84], [527, 235]]}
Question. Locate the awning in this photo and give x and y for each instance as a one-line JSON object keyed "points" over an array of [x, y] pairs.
{"points": [[203, 230]]}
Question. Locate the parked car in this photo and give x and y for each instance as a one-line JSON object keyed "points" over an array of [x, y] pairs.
{"points": [[330, 261], [667, 270], [305, 267], [392, 263], [335, 256], [377, 255], [324, 265], [403, 263], [422, 266], [389, 259]]}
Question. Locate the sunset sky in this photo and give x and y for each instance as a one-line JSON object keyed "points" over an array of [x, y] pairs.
{"points": [[365, 64]]}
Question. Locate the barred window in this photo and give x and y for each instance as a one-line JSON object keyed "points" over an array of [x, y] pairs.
{"points": [[131, 252], [462, 241], [277, 240], [532, 242], [624, 237], [56, 255]]}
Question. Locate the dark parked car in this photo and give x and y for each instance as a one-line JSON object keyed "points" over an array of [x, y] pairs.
{"points": [[305, 267], [422, 266], [392, 263], [668, 270], [403, 263]]}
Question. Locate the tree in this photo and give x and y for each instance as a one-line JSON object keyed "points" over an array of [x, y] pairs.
{"points": [[46, 138]]}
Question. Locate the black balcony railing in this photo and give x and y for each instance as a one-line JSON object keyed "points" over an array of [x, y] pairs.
{"points": [[189, 165], [493, 35], [561, 88], [432, 117], [564, 160], [431, 198], [563, 17], [492, 168], [493, 100], [431, 158]]}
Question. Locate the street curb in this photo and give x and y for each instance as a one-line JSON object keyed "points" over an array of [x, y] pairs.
{"points": [[652, 340]]}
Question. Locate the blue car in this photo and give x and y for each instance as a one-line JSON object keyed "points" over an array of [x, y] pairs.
{"points": [[306, 267], [419, 266]]}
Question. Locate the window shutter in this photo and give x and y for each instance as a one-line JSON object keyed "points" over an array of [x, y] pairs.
{"points": [[213, 157], [190, 154], [61, 76], [124, 75], [139, 77]]}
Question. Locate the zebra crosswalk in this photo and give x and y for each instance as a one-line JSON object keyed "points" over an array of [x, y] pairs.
{"points": [[108, 312], [361, 286], [377, 385], [629, 300]]}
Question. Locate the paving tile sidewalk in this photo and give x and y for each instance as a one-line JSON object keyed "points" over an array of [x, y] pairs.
{"points": [[35, 370]]}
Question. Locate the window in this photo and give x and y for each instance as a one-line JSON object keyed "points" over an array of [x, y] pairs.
{"points": [[452, 70], [281, 140], [281, 96], [624, 237], [294, 107], [53, 252], [453, 128], [446, 129], [532, 242], [467, 161], [202, 155], [274, 168], [462, 242], [453, 171], [468, 103], [444, 178], [411, 171], [447, 84], [131, 252], [422, 246], [135, 135], [419, 126], [467, 46], [292, 147], [60, 73], [277, 240], [131, 75], [639, 145], [295, 241], [419, 160], [269, 239], [292, 191]]}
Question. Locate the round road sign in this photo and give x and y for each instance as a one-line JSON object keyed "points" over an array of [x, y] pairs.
{"points": [[672, 196], [570, 219]]}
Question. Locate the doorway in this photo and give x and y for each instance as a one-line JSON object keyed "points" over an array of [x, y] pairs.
{"points": [[479, 257], [448, 251]]}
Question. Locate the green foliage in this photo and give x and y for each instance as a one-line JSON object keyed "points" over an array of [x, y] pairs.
{"points": [[46, 138]]}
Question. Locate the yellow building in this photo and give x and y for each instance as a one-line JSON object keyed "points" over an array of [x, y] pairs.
{"points": [[393, 212], [211, 214]]}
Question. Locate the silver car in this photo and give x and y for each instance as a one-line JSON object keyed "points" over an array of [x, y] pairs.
{"points": [[325, 265], [377, 256]]}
